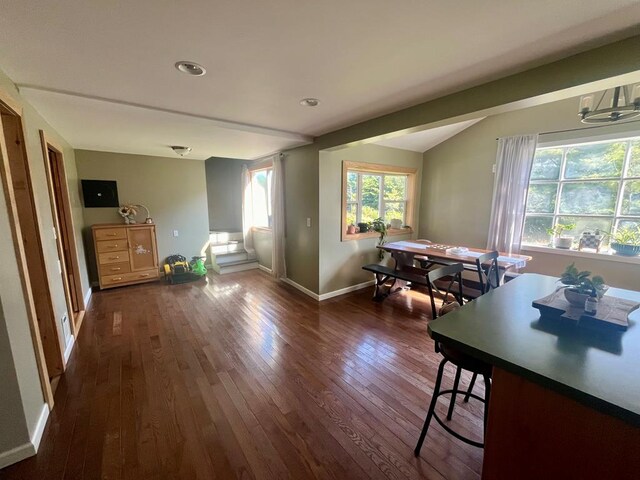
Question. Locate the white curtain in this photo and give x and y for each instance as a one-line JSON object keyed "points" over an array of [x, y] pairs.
{"points": [[278, 265], [247, 212], [513, 168]]}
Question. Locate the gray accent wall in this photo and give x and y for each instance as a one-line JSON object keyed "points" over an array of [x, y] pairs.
{"points": [[224, 193]]}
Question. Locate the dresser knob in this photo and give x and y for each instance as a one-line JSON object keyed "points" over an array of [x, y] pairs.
{"points": [[117, 278]]}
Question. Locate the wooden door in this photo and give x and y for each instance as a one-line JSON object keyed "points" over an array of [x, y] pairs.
{"points": [[142, 248]]}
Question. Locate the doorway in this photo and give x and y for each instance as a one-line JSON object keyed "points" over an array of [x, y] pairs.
{"points": [[63, 224], [27, 242]]}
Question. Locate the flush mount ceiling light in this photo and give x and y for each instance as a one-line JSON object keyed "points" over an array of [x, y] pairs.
{"points": [[622, 103], [309, 102], [182, 151], [191, 68]]}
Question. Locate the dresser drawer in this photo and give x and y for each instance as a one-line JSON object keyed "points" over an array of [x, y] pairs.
{"points": [[114, 257], [115, 268], [109, 280], [110, 233], [111, 245]]}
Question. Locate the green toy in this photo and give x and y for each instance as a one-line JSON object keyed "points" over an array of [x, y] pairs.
{"points": [[197, 266]]}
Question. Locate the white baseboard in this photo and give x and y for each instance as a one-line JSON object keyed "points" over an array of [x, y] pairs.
{"points": [[265, 269], [42, 422], [69, 348], [304, 290], [342, 291], [27, 449], [87, 298], [328, 295], [14, 455]]}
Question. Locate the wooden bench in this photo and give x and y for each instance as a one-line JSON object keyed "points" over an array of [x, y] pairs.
{"points": [[384, 274]]}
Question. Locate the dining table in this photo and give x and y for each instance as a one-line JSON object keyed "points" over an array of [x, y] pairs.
{"points": [[405, 252], [565, 398]]}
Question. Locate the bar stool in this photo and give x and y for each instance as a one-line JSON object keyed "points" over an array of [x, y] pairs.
{"points": [[462, 361]]}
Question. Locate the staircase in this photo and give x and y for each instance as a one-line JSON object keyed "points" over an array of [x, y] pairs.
{"points": [[228, 254]]}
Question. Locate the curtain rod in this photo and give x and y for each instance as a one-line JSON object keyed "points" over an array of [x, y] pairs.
{"points": [[583, 128]]}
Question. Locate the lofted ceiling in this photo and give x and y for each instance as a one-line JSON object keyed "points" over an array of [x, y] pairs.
{"points": [[102, 73]]}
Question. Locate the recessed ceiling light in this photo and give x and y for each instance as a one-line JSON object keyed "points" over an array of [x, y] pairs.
{"points": [[191, 68], [309, 102]]}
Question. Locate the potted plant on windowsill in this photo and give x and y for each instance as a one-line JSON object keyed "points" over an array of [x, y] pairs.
{"points": [[626, 241], [580, 285], [558, 240]]}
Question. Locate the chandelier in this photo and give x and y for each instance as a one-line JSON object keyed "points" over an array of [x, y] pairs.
{"points": [[622, 103]]}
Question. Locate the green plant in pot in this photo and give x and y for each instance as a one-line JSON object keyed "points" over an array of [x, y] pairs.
{"points": [[580, 285], [559, 240], [626, 241], [379, 226]]}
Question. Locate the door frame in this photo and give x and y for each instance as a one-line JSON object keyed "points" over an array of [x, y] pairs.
{"points": [[76, 318], [8, 103]]}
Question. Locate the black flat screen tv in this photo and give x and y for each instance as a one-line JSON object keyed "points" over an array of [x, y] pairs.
{"points": [[100, 193]]}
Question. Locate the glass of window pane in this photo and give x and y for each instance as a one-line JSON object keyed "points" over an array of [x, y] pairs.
{"points": [[591, 198], [394, 210], [596, 160], [352, 187], [542, 197], [260, 198], [352, 213], [631, 198], [546, 164], [628, 224], [634, 163], [586, 224], [370, 197], [395, 187], [535, 230]]}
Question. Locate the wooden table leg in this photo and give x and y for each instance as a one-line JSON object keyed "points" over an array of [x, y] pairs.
{"points": [[536, 433]]}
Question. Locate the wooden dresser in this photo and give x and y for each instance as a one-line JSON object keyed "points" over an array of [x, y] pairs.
{"points": [[125, 254]]}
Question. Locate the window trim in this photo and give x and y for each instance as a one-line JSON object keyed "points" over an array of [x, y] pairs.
{"points": [[377, 169], [617, 216]]}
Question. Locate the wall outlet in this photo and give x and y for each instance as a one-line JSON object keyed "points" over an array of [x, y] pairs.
{"points": [[175, 233], [66, 328], [55, 235], [308, 222], [493, 168], [59, 267]]}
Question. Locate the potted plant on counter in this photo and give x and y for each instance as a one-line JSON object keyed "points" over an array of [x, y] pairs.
{"points": [[626, 241], [557, 239], [580, 285]]}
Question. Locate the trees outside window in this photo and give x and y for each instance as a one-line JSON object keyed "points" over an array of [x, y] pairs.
{"points": [[595, 186]]}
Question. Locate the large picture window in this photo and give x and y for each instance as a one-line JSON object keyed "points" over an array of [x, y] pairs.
{"points": [[372, 191], [594, 186]]}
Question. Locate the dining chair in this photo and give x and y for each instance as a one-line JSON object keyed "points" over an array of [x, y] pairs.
{"points": [[488, 273], [446, 282]]}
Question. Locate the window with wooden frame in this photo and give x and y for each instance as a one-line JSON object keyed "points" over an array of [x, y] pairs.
{"points": [[371, 191]]}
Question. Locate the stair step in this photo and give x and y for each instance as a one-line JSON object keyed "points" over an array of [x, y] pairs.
{"points": [[227, 247], [232, 257], [235, 266], [223, 237]]}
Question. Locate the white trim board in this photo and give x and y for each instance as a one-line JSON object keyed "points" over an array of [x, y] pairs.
{"points": [[69, 349], [265, 269], [30, 448], [328, 295], [87, 298]]}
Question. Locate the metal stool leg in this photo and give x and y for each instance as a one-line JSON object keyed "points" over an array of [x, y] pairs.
{"points": [[456, 383], [473, 382], [432, 407], [487, 394]]}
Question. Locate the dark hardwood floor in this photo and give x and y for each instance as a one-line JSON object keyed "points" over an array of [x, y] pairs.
{"points": [[244, 377]]}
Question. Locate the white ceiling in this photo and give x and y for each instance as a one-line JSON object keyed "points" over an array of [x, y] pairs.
{"points": [[361, 58], [426, 139]]}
